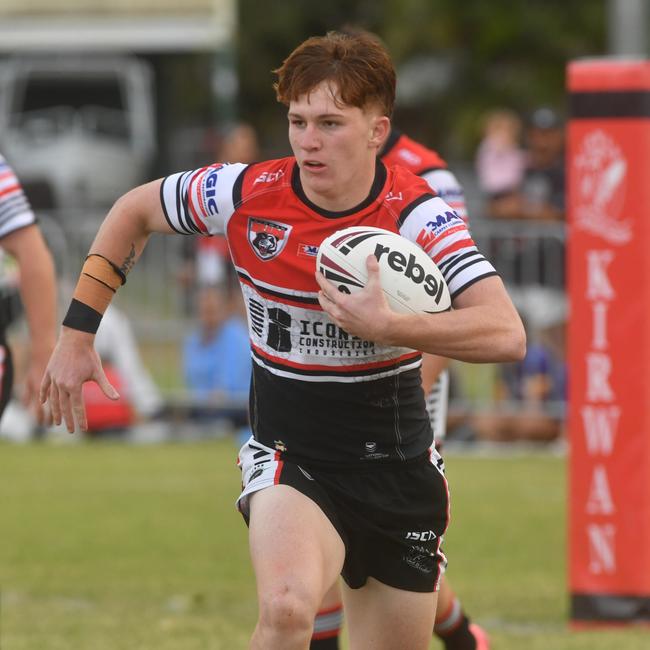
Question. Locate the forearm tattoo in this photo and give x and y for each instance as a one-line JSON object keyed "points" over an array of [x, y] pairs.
{"points": [[129, 261]]}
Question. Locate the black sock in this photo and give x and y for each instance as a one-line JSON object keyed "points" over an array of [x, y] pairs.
{"points": [[331, 643], [459, 638]]}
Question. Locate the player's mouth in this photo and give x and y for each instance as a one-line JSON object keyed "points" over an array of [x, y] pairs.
{"points": [[313, 165]]}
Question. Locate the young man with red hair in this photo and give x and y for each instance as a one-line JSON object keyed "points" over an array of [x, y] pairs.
{"points": [[340, 475], [452, 625]]}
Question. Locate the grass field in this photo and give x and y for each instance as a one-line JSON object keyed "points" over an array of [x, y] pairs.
{"points": [[110, 547]]}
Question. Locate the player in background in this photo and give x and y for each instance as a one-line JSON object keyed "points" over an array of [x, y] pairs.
{"points": [[341, 477], [22, 239], [452, 626]]}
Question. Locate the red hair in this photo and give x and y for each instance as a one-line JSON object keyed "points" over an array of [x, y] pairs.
{"points": [[357, 64]]}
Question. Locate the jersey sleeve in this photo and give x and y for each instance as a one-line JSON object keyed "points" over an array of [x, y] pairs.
{"points": [[435, 227], [448, 188], [201, 201], [15, 211]]}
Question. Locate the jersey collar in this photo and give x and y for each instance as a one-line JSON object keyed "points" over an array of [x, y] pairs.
{"points": [[375, 190]]}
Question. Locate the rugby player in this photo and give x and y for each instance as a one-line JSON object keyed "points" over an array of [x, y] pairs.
{"points": [[341, 476], [452, 625], [21, 237]]}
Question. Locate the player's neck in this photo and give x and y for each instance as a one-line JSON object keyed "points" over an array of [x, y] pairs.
{"points": [[344, 195]]}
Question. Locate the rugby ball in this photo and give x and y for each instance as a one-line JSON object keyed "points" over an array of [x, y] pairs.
{"points": [[409, 277]]}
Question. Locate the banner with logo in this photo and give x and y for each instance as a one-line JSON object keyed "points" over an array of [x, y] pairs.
{"points": [[608, 166]]}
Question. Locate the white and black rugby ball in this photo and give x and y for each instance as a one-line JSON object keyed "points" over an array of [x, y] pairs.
{"points": [[409, 277]]}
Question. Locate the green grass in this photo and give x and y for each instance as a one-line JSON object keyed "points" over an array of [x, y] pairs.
{"points": [[104, 546]]}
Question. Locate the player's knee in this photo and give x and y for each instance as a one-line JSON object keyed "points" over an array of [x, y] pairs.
{"points": [[287, 613]]}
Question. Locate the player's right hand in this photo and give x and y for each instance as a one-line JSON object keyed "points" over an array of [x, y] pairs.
{"points": [[73, 363]]}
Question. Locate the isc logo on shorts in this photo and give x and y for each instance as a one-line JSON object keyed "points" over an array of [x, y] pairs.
{"points": [[421, 535]]}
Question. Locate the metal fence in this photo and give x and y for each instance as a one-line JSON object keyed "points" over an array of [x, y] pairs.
{"points": [[529, 257]]}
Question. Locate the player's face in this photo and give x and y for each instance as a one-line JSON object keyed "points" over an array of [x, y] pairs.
{"points": [[336, 147]]}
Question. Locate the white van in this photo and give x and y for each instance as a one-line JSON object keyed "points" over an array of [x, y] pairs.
{"points": [[79, 130]]}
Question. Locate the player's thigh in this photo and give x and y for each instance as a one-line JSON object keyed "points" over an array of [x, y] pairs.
{"points": [[292, 543], [384, 618]]}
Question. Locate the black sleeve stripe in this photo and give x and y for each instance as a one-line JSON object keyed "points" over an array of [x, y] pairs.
{"points": [[455, 272], [14, 205], [471, 282], [411, 206], [185, 213], [237, 188], [164, 207], [456, 258], [179, 196]]}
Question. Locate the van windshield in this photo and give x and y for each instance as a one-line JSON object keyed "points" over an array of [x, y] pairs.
{"points": [[54, 105], [41, 92]]}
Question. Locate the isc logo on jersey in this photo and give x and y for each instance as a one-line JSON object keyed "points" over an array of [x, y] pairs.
{"points": [[409, 277]]}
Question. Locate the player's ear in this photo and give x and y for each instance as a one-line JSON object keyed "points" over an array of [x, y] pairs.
{"points": [[380, 129]]}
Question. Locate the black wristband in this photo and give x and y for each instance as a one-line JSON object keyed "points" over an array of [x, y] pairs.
{"points": [[82, 317]]}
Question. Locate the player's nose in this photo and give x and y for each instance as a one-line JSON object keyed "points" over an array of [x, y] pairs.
{"points": [[310, 140]]}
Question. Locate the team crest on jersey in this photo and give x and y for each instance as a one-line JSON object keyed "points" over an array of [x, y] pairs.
{"points": [[267, 237]]}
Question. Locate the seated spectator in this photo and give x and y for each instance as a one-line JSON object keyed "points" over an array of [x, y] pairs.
{"points": [[140, 400], [500, 159], [540, 195], [216, 357], [206, 260], [531, 394]]}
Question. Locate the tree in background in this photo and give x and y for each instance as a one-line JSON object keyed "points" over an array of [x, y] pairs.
{"points": [[455, 59]]}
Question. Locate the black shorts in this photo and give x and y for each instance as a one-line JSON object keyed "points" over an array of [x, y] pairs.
{"points": [[6, 374], [390, 518]]}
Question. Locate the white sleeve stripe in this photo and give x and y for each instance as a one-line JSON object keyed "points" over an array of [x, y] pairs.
{"points": [[164, 200], [184, 198], [452, 274], [450, 261], [17, 222], [458, 287]]}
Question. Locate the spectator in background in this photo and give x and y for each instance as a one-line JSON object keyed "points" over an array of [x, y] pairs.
{"points": [[532, 263], [22, 239], [500, 159], [207, 259], [531, 394], [540, 194], [140, 400], [216, 356]]}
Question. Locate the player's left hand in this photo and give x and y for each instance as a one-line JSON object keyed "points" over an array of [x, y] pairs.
{"points": [[366, 313]]}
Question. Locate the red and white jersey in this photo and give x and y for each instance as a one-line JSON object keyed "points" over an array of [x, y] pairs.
{"points": [[402, 150], [15, 211], [317, 392]]}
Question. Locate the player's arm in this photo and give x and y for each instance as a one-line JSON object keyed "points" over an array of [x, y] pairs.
{"points": [[483, 325], [38, 294], [116, 248]]}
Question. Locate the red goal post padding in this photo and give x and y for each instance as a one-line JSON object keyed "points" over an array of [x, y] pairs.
{"points": [[608, 166]]}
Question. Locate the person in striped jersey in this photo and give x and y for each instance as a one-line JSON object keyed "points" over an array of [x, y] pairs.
{"points": [[21, 238], [452, 625], [340, 476]]}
